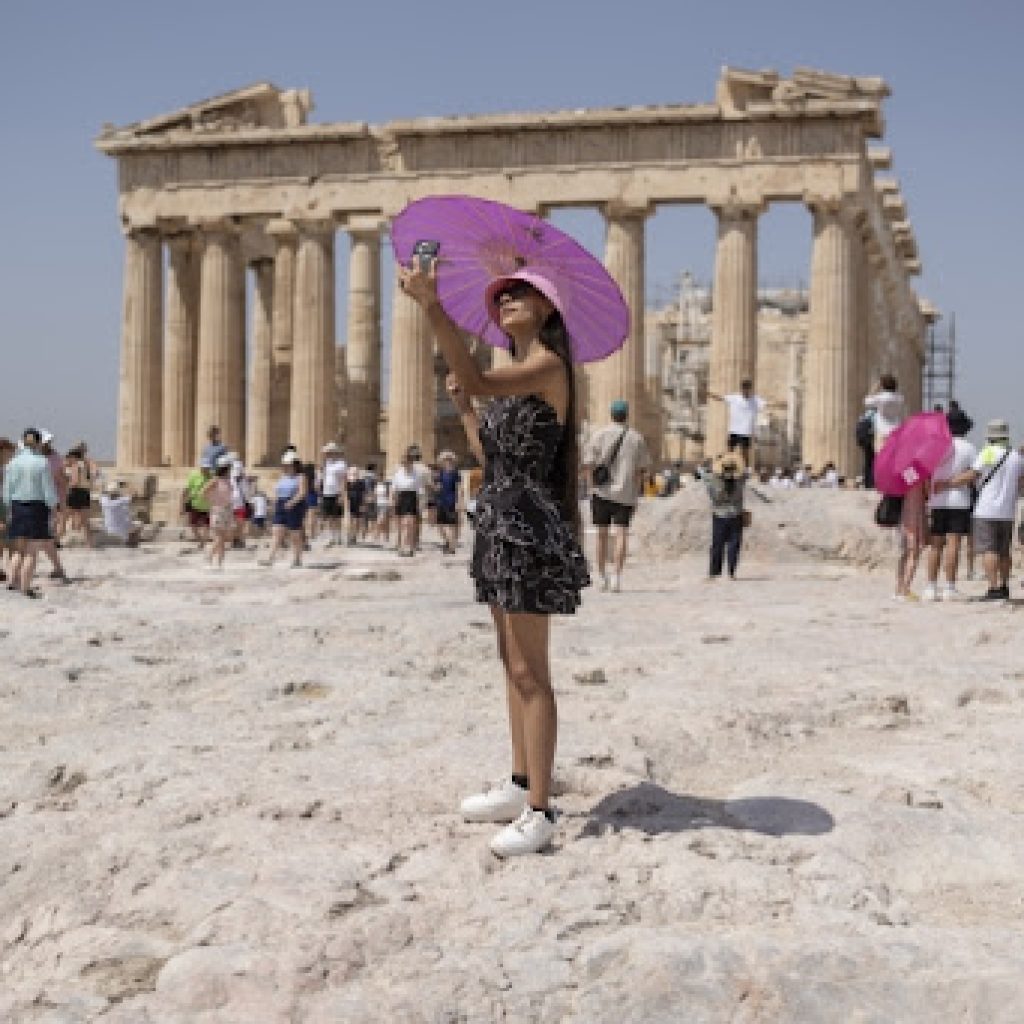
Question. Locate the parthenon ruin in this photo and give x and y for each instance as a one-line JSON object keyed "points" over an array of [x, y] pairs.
{"points": [[245, 181]]}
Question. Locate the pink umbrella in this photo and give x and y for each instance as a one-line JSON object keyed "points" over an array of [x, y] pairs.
{"points": [[481, 240], [912, 452]]}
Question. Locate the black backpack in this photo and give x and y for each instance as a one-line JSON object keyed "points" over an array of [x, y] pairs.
{"points": [[889, 510]]}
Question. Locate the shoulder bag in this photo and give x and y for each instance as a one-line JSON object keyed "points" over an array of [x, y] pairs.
{"points": [[602, 472]]}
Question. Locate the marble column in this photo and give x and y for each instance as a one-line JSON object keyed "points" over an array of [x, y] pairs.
{"points": [[314, 410], [733, 356], [282, 335], [257, 435], [411, 391], [622, 375], [220, 389], [181, 338], [829, 411], [860, 359], [874, 296], [139, 419], [363, 345]]}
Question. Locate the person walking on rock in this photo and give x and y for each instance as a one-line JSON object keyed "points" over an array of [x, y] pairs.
{"points": [[289, 509], [744, 409], [333, 472], [527, 564], [725, 489], [616, 458], [30, 497], [949, 512], [998, 473], [217, 494]]}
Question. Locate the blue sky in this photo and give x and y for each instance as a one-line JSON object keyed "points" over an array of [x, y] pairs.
{"points": [[954, 123]]}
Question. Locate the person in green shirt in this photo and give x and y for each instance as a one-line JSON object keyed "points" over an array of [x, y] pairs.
{"points": [[194, 505]]}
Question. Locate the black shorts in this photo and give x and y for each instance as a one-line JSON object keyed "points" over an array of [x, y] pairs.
{"points": [[605, 512], [79, 498], [993, 536], [28, 520], [738, 441], [945, 521], [331, 507], [407, 503], [446, 515]]}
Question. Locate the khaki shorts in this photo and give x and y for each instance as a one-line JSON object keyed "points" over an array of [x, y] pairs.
{"points": [[993, 536]]}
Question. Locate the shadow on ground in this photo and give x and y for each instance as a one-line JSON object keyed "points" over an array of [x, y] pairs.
{"points": [[653, 810]]}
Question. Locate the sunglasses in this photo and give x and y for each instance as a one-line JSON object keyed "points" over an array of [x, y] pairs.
{"points": [[516, 290]]}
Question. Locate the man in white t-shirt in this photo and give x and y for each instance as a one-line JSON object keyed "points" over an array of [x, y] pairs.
{"points": [[333, 472], [744, 410], [949, 513], [998, 474]]}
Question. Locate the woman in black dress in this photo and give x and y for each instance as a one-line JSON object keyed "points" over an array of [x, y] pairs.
{"points": [[527, 563]]}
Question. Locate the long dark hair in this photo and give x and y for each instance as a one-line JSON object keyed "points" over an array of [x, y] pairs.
{"points": [[555, 338]]}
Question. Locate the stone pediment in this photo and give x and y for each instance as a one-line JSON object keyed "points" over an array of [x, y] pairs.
{"points": [[261, 105], [757, 91]]}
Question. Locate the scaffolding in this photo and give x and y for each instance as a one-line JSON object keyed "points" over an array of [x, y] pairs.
{"points": [[940, 363]]}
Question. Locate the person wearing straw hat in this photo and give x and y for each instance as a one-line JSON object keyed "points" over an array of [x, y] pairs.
{"points": [[449, 487], [527, 563], [725, 489], [998, 474]]}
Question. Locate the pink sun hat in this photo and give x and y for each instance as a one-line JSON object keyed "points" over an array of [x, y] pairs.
{"points": [[534, 279]]}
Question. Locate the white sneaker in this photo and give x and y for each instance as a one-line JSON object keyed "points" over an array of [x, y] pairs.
{"points": [[616, 583], [950, 593], [504, 801], [605, 581], [930, 593], [531, 832]]}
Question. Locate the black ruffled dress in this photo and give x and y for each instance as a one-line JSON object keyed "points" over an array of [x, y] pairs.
{"points": [[525, 556]]}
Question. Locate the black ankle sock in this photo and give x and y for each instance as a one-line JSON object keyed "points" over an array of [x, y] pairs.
{"points": [[521, 781], [546, 811]]}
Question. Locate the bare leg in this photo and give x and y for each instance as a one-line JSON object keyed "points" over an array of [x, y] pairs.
{"points": [[1004, 570], [28, 565], [951, 558], [49, 548], [526, 645], [990, 561], [602, 549], [621, 535], [935, 557], [298, 543], [276, 542], [516, 724]]}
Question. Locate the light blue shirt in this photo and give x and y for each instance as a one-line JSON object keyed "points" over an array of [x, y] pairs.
{"points": [[27, 477]]}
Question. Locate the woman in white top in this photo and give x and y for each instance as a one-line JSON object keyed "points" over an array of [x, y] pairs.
{"points": [[405, 487], [888, 406]]}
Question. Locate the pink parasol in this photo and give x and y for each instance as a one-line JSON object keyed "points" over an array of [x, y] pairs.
{"points": [[482, 240], [912, 452]]}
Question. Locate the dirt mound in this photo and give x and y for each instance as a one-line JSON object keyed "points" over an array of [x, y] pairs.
{"points": [[832, 525]]}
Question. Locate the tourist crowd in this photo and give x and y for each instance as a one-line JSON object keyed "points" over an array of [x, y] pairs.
{"points": [[966, 509]]}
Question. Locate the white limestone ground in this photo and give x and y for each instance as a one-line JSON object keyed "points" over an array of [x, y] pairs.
{"points": [[231, 798]]}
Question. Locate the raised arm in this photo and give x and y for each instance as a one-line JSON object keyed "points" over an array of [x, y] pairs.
{"points": [[540, 373], [470, 423]]}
